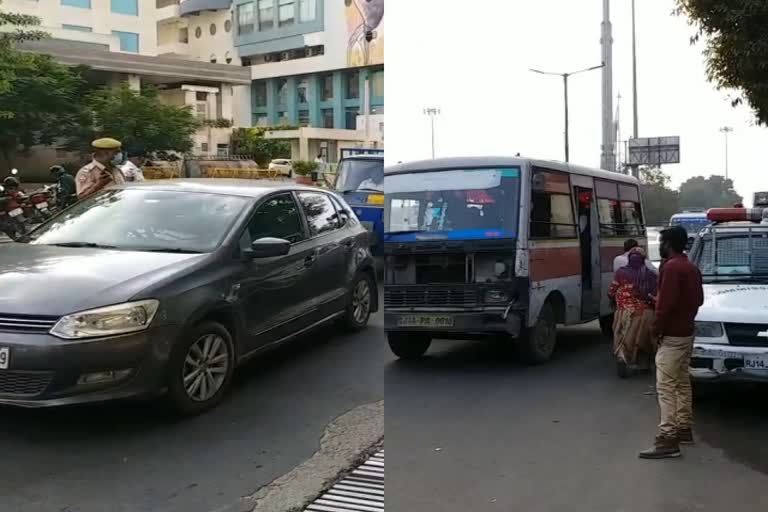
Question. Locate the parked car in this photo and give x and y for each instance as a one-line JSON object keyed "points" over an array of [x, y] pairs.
{"points": [[283, 166], [168, 286]]}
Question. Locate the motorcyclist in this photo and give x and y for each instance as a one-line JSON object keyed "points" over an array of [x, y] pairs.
{"points": [[67, 187], [11, 185]]}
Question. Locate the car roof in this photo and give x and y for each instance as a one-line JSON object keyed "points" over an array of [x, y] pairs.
{"points": [[440, 164], [226, 186]]}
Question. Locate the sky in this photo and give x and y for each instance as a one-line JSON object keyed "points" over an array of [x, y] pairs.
{"points": [[473, 63]]}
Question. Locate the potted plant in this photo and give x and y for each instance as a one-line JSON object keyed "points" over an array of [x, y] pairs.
{"points": [[303, 170]]}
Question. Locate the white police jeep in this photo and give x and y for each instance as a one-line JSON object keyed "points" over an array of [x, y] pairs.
{"points": [[732, 326]]}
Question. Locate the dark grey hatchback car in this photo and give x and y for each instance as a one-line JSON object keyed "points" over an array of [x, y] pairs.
{"points": [[168, 286]]}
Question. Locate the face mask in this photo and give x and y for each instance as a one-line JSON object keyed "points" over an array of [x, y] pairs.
{"points": [[117, 159]]}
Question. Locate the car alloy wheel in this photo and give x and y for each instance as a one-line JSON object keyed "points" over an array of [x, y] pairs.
{"points": [[206, 367], [361, 301]]}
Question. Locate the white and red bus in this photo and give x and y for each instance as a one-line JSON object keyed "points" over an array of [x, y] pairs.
{"points": [[501, 246]]}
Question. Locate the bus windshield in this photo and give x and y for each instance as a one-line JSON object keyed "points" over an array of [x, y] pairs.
{"points": [[361, 175], [457, 204], [691, 224]]}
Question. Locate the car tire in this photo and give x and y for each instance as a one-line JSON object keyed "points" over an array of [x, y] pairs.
{"points": [[185, 398], [360, 303], [409, 346], [539, 342]]}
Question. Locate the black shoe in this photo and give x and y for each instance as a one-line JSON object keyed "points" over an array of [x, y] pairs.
{"points": [[663, 448], [685, 436]]}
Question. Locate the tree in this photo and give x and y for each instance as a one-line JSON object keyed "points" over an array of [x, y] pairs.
{"points": [[250, 142], [137, 119], [660, 202], [712, 192], [736, 46]]}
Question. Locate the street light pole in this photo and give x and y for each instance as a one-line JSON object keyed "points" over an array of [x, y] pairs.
{"points": [[432, 112], [634, 74], [565, 77], [726, 130]]}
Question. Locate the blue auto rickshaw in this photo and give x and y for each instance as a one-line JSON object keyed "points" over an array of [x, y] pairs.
{"points": [[360, 180]]}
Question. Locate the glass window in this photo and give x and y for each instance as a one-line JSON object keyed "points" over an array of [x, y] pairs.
{"points": [[327, 114], [552, 216], [630, 214], [129, 42], [85, 4], [228, 26], [307, 10], [277, 217], [261, 120], [146, 220], [629, 193], [266, 14], [360, 174], [326, 86], [78, 28], [302, 90], [734, 256], [198, 32], [303, 117], [184, 35], [260, 94], [129, 7], [377, 84], [321, 215], [212, 29], [286, 12], [609, 214], [245, 18], [350, 122], [282, 92], [606, 189], [353, 85]]}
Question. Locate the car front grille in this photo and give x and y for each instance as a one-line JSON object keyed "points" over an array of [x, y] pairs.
{"points": [[26, 323], [746, 335], [420, 297], [24, 384]]}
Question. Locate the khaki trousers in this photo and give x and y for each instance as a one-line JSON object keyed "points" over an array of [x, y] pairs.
{"points": [[673, 384]]}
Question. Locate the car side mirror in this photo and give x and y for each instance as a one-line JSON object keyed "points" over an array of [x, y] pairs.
{"points": [[269, 248]]}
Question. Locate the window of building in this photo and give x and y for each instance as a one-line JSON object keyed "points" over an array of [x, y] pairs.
{"points": [[198, 32], [128, 7], [303, 117], [129, 42], [321, 215], [212, 29], [551, 206], [260, 94], [350, 115], [213, 59], [326, 87], [85, 4], [302, 91], [228, 57], [184, 35], [283, 119], [77, 28], [222, 150], [266, 14], [204, 147], [277, 217], [228, 26], [353, 85], [307, 10], [282, 92], [327, 115], [377, 84], [201, 110], [245, 18], [201, 96], [286, 12]]}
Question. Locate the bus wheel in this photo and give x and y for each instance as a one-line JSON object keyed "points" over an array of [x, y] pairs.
{"points": [[538, 345], [408, 345]]}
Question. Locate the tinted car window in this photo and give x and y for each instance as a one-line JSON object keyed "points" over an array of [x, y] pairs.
{"points": [[277, 217], [320, 212]]}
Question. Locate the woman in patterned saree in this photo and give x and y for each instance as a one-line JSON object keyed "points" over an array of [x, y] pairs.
{"points": [[634, 291]]}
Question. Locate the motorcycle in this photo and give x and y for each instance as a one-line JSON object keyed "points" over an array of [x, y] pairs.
{"points": [[40, 203], [12, 220]]}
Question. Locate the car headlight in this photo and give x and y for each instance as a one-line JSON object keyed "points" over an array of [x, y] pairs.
{"points": [[709, 330], [107, 321], [496, 296]]}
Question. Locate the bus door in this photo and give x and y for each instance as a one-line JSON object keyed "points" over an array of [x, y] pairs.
{"points": [[589, 243]]}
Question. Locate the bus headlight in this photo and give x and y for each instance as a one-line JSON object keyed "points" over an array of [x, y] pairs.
{"points": [[495, 297]]}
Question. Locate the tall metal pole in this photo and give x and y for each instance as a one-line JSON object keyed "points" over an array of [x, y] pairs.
{"points": [[432, 112], [608, 157], [565, 91], [635, 133], [726, 130]]}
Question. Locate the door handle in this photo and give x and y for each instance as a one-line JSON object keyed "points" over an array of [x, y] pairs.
{"points": [[309, 261]]}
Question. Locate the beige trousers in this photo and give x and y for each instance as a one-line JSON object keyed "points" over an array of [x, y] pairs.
{"points": [[673, 384]]}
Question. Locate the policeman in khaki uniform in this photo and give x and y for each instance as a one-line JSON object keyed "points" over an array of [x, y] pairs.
{"points": [[103, 170]]}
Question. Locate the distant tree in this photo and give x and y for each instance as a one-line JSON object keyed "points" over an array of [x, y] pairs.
{"points": [[736, 46], [711, 192], [659, 200], [250, 142]]}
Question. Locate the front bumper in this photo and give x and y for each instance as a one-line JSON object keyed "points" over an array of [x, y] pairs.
{"points": [[487, 320], [45, 371], [716, 362]]}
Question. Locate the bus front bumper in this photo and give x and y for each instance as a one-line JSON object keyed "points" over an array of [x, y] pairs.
{"points": [[477, 322]]}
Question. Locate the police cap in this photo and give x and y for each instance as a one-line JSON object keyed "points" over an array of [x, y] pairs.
{"points": [[106, 143]]}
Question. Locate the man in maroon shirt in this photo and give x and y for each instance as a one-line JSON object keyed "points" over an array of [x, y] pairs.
{"points": [[677, 303]]}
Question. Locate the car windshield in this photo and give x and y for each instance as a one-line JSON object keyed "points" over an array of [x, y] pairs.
{"points": [[145, 220], [361, 174], [472, 203], [734, 256], [692, 225]]}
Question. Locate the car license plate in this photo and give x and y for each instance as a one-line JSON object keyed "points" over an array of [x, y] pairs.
{"points": [[16, 212], [425, 321], [41, 206], [756, 362], [5, 358]]}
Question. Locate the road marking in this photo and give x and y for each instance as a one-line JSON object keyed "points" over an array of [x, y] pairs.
{"points": [[361, 491]]}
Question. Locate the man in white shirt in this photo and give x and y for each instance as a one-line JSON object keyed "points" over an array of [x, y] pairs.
{"points": [[622, 260], [132, 167]]}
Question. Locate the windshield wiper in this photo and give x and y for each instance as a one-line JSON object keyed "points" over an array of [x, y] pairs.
{"points": [[89, 245], [405, 232], [176, 250]]}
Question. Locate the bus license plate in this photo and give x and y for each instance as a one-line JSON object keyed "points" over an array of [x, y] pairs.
{"points": [[5, 358], [756, 362], [15, 212], [41, 206], [425, 321]]}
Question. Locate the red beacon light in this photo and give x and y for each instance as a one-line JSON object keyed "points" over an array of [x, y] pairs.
{"points": [[736, 214]]}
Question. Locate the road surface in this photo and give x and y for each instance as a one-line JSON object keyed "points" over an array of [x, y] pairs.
{"points": [[136, 457], [470, 429]]}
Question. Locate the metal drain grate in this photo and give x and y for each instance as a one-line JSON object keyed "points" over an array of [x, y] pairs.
{"points": [[361, 491]]}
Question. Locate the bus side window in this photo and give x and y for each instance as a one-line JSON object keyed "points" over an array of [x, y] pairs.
{"points": [[551, 207]]}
